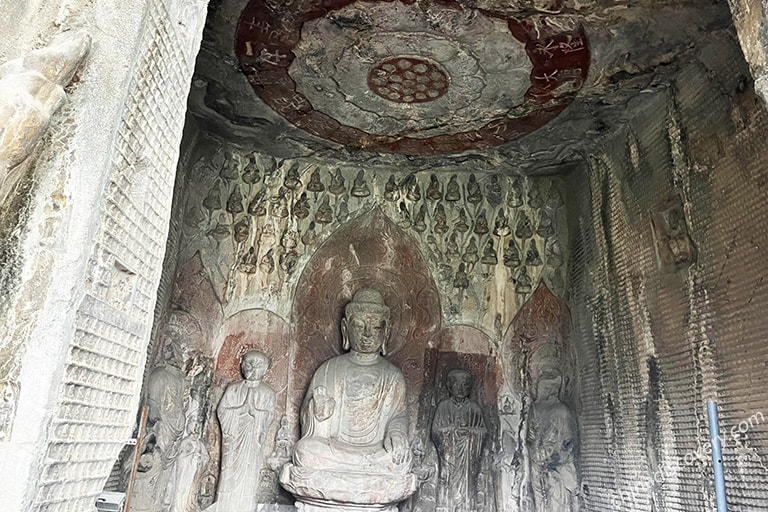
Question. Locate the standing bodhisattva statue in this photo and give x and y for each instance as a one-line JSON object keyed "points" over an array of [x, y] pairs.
{"points": [[354, 452]]}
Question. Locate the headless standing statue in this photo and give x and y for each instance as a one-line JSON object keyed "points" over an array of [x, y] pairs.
{"points": [[354, 452]]}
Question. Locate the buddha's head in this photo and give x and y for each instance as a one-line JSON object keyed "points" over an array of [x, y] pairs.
{"points": [[254, 365], [365, 327], [459, 383]]}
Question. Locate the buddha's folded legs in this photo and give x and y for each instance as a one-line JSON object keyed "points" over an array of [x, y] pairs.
{"points": [[333, 455]]}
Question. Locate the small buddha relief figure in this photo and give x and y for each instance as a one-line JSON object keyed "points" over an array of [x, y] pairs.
{"points": [[235, 201], [534, 198], [459, 432], [434, 191], [301, 208], [523, 229], [441, 222], [248, 262], [436, 254], [452, 247], [515, 196], [452, 190], [489, 254], [288, 261], [324, 213], [292, 179], [554, 199], [545, 228], [523, 283], [674, 246], [309, 237], [241, 230], [481, 223], [359, 186], [501, 224], [212, 199], [470, 255], [532, 256], [315, 182], [268, 166], [404, 220], [511, 255], [250, 174], [410, 185], [493, 191], [419, 222], [461, 222], [283, 440], [229, 170], [9, 394], [553, 252], [338, 185], [289, 239], [245, 414], [461, 280], [354, 452], [342, 211], [474, 194], [258, 206], [391, 192], [267, 237], [267, 264], [280, 208]]}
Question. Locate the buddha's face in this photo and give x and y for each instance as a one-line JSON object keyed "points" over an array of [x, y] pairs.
{"points": [[253, 366], [367, 332], [460, 385]]}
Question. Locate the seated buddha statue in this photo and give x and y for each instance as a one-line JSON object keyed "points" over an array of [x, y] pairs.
{"points": [[354, 452]]}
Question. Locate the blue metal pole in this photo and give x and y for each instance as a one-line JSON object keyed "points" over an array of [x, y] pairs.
{"points": [[717, 455]]}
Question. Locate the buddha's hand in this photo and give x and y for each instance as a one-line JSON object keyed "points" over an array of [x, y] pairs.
{"points": [[324, 406], [396, 444]]}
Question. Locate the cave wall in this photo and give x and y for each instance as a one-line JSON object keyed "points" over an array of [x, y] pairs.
{"points": [[669, 296], [265, 252]]}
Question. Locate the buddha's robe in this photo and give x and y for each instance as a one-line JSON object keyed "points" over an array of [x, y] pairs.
{"points": [[369, 401], [245, 413], [458, 431]]}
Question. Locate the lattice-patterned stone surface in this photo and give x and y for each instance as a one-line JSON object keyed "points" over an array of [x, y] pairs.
{"points": [[106, 359]]}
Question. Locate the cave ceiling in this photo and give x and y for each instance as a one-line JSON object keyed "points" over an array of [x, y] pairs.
{"points": [[524, 86]]}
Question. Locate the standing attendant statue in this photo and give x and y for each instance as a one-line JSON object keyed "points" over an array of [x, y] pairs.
{"points": [[245, 414], [458, 431], [553, 441], [354, 452], [165, 421]]}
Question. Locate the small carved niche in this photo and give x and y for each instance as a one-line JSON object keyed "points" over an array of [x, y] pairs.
{"points": [[122, 282], [674, 248]]}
